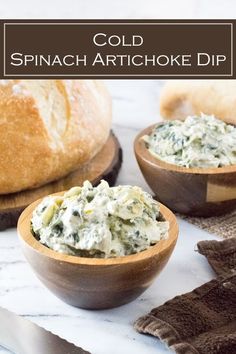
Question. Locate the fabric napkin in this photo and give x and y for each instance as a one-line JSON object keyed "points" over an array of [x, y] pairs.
{"points": [[202, 321], [223, 225], [221, 255]]}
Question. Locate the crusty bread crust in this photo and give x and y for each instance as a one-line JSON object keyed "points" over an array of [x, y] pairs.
{"points": [[40, 143], [182, 98]]}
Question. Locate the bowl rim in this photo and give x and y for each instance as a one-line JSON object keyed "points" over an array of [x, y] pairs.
{"points": [[142, 151], [25, 235]]}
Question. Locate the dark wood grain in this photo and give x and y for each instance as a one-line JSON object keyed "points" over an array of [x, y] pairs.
{"points": [[96, 283], [190, 191], [105, 165]]}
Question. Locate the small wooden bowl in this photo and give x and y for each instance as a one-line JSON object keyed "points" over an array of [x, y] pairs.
{"points": [[191, 191], [95, 283]]}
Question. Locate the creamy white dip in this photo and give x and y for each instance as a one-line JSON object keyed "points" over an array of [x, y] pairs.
{"points": [[196, 142], [99, 221]]}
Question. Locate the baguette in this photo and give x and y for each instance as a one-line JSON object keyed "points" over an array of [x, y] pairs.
{"points": [[193, 97], [48, 128]]}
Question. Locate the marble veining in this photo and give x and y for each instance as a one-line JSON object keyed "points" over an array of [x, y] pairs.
{"points": [[22, 292]]}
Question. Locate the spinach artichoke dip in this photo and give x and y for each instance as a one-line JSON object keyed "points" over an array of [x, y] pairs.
{"points": [[99, 221], [196, 142]]}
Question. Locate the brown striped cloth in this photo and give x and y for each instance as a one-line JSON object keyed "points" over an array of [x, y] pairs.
{"points": [[202, 321]]}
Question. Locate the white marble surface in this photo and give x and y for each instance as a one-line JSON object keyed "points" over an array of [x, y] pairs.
{"points": [[110, 331], [124, 9]]}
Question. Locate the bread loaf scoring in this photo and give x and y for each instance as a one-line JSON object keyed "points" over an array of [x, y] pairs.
{"points": [[48, 128], [182, 98]]}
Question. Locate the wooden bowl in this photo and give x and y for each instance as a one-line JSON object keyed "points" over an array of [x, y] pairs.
{"points": [[95, 283], [191, 191]]}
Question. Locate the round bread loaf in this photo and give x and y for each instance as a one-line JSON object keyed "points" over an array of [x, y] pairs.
{"points": [[192, 97], [48, 128]]}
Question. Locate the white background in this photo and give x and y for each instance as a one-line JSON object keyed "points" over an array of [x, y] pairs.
{"points": [[143, 9]]}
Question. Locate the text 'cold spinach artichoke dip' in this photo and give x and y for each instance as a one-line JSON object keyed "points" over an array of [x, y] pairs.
{"points": [[202, 142], [100, 221]]}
